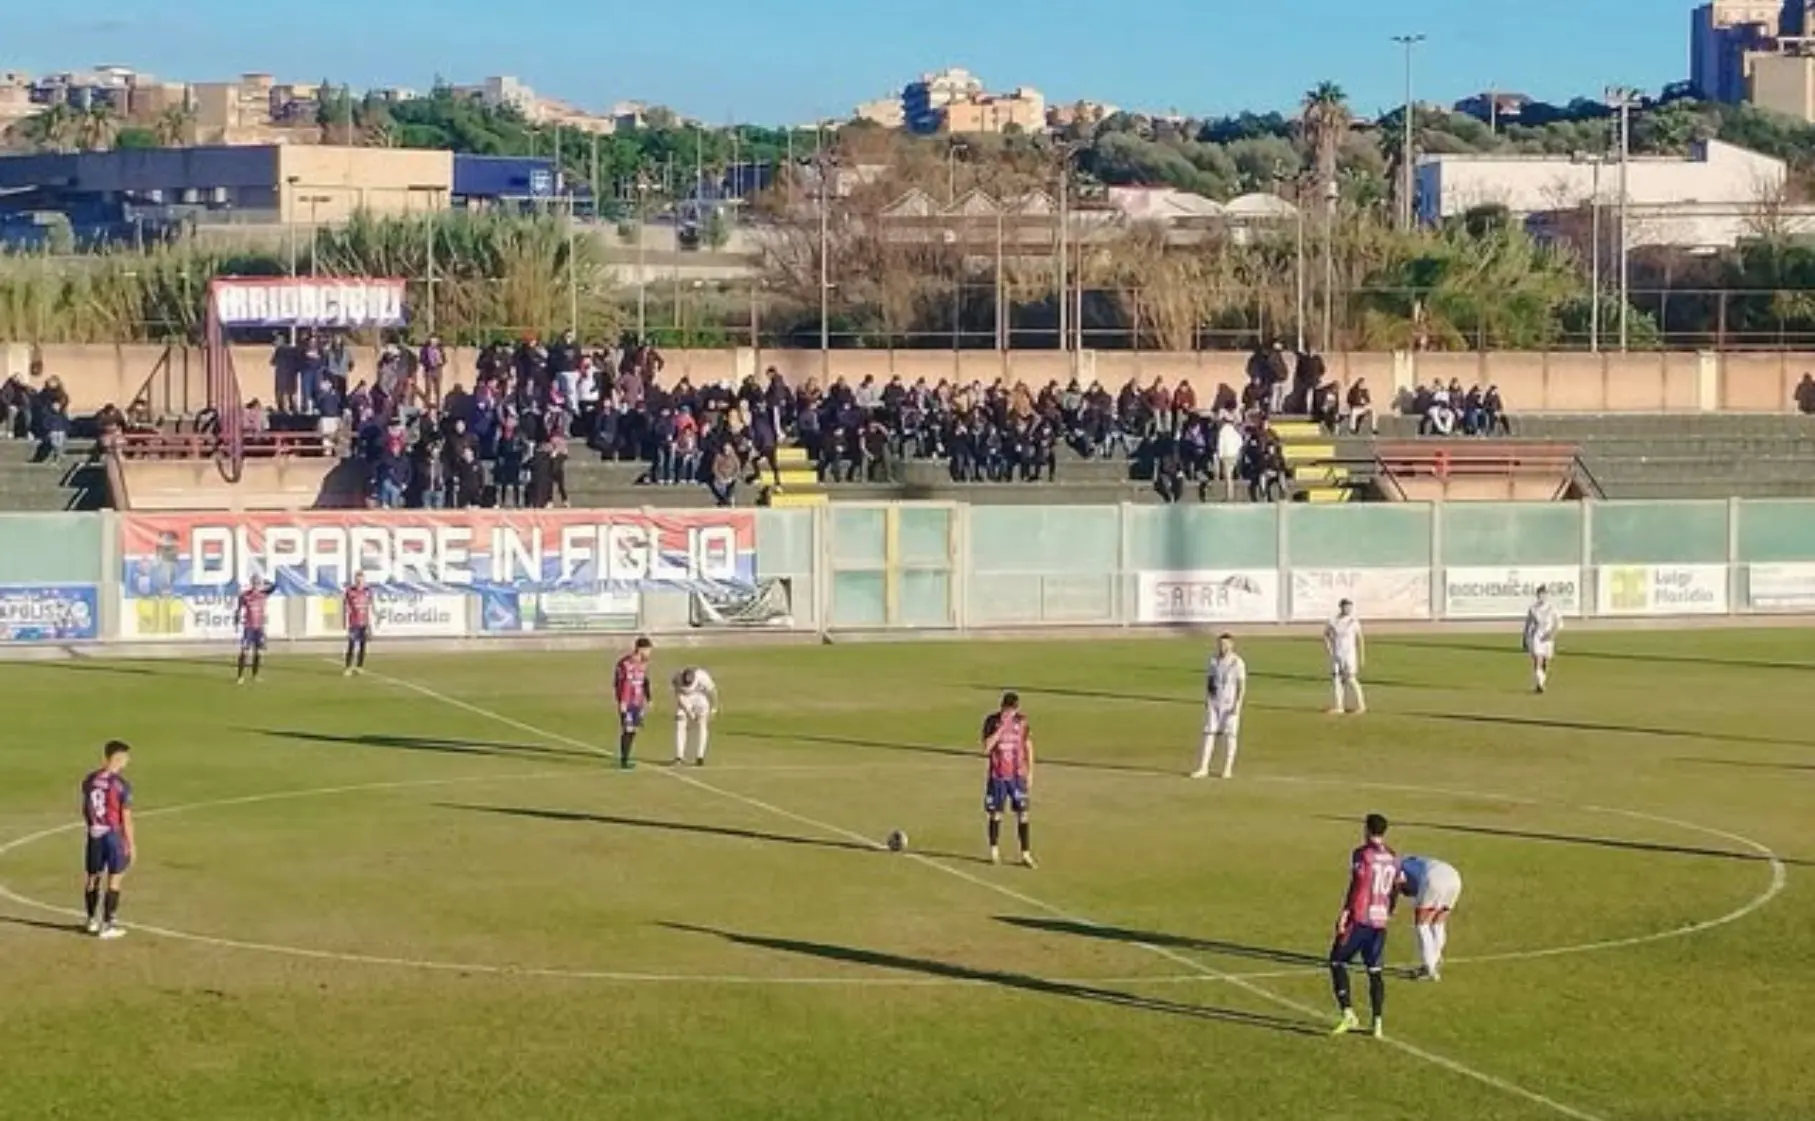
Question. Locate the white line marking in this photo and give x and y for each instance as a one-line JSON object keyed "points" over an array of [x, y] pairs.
{"points": [[1246, 985], [480, 967]]}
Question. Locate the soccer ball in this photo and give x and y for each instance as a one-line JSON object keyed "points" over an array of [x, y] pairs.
{"points": [[898, 841]]}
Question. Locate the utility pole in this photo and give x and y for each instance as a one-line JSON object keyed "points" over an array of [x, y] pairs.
{"points": [[1406, 212], [1596, 162], [825, 271], [1623, 98], [1332, 195], [642, 187]]}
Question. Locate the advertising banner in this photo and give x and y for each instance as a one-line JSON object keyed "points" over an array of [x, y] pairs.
{"points": [[180, 573], [1780, 587], [50, 613], [1507, 593], [394, 614], [770, 604], [1661, 589], [1249, 595], [202, 616], [1378, 593], [308, 302]]}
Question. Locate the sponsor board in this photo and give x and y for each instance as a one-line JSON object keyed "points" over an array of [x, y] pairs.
{"points": [[1249, 595], [771, 604], [308, 302], [1661, 589], [204, 617], [1378, 593], [50, 613], [1780, 587], [398, 614], [564, 569], [1507, 592], [585, 611]]}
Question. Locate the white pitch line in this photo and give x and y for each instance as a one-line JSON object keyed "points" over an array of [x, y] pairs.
{"points": [[486, 968], [1490, 1080]]}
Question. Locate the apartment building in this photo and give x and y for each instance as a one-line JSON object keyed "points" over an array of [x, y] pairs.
{"points": [[955, 101], [503, 91], [1724, 38]]}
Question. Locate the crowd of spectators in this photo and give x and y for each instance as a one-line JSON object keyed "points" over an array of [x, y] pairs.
{"points": [[39, 414], [420, 438], [507, 439]]}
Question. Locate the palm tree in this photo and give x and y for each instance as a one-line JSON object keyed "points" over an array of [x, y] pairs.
{"points": [[56, 129], [1324, 119], [175, 126], [95, 128]]}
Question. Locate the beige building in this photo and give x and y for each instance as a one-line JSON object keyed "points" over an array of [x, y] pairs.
{"points": [[884, 111], [1023, 111], [1785, 84], [279, 183]]}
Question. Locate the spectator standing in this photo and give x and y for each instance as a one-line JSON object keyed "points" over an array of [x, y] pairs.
{"points": [[433, 362], [1361, 408]]}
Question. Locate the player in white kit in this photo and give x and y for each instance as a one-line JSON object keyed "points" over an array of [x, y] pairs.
{"points": [[1342, 639], [1434, 887], [695, 704], [1225, 688], [1542, 623]]}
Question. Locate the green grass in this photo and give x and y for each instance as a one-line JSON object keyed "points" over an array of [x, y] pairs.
{"points": [[785, 970]]}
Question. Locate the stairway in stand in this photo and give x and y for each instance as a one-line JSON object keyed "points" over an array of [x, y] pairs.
{"points": [[1305, 444], [799, 480]]}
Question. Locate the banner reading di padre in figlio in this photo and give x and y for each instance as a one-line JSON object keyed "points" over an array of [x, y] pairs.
{"points": [[434, 572]]}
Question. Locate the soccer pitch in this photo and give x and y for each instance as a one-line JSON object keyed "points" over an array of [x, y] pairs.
{"points": [[426, 893]]}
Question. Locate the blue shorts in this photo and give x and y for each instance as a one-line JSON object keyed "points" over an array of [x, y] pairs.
{"points": [[107, 854], [1005, 793], [252, 638], [631, 717], [1366, 942], [358, 634]]}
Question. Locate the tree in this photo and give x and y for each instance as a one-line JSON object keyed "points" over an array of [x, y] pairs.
{"points": [[96, 127], [1325, 120], [135, 138], [175, 126]]}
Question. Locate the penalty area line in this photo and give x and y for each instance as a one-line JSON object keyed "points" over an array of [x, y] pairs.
{"points": [[1210, 972]]}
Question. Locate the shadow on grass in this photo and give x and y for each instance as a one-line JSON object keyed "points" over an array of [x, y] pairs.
{"points": [[1171, 941], [667, 826], [198, 668], [40, 924], [929, 749], [1639, 657], [1749, 764], [1020, 982], [438, 744], [1591, 842], [702, 830], [1591, 726]]}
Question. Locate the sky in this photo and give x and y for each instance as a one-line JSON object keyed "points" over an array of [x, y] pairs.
{"points": [[787, 61]]}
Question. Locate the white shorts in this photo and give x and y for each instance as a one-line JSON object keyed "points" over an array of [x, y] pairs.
{"points": [[694, 710], [1222, 722], [1440, 890], [1544, 648], [1345, 668]]}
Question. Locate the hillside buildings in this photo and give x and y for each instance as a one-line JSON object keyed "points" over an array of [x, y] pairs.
{"points": [[1715, 198], [1756, 51]]}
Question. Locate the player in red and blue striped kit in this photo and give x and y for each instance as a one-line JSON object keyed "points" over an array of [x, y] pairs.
{"points": [[630, 687], [1375, 880], [107, 818], [249, 616], [1008, 741], [356, 612]]}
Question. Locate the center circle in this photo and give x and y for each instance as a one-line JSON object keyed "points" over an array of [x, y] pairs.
{"points": [[401, 958]]}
